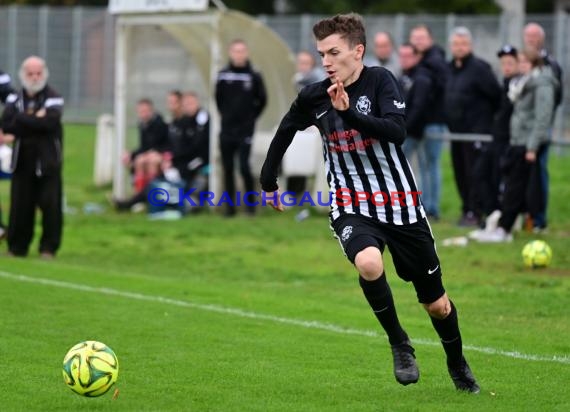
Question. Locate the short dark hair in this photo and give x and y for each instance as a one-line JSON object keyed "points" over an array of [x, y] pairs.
{"points": [[411, 46], [145, 100], [350, 27], [424, 27], [238, 41], [191, 93], [177, 93]]}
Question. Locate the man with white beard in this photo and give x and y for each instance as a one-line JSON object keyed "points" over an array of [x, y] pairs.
{"points": [[33, 116]]}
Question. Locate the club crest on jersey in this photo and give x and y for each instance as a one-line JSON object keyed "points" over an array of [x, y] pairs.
{"points": [[399, 105], [346, 232], [363, 105]]}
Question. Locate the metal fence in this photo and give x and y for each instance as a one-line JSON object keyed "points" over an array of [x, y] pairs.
{"points": [[78, 44]]}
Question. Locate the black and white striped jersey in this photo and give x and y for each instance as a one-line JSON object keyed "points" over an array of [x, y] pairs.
{"points": [[367, 171]]}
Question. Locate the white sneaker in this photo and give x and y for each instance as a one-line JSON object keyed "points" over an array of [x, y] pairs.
{"points": [[474, 234], [492, 221], [519, 223], [491, 224], [539, 230], [138, 207], [499, 235]]}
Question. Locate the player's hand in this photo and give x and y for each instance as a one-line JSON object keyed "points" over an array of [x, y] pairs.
{"points": [[339, 97], [530, 156], [6, 138], [126, 158], [41, 112], [274, 202]]}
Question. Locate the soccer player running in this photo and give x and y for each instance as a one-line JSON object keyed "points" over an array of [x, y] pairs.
{"points": [[360, 113]]}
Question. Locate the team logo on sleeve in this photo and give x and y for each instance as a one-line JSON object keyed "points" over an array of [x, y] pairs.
{"points": [[363, 105], [399, 105], [346, 232]]}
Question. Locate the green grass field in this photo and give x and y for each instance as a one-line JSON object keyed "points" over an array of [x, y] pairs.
{"points": [[265, 314]]}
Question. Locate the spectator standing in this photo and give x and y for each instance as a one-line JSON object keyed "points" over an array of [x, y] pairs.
{"points": [[241, 98], [490, 164], [33, 116], [433, 59], [534, 38], [533, 96], [472, 97], [416, 85], [306, 70], [385, 54]]}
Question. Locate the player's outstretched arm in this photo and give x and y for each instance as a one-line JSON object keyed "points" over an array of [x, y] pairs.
{"points": [[277, 149], [296, 119]]}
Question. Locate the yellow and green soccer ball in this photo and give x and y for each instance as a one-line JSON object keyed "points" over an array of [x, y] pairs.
{"points": [[90, 368], [537, 254]]}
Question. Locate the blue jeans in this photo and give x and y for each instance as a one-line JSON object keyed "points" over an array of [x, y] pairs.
{"points": [[542, 160], [428, 150]]}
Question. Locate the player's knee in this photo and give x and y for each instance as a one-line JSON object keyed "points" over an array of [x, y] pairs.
{"points": [[154, 157], [139, 160], [369, 263], [439, 309]]}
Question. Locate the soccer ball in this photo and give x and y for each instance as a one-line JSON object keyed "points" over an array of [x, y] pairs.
{"points": [[90, 368], [537, 254]]}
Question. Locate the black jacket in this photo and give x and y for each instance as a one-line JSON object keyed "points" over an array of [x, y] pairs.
{"points": [[38, 140], [153, 136], [434, 62], [417, 86], [241, 97], [189, 140], [472, 96], [502, 122]]}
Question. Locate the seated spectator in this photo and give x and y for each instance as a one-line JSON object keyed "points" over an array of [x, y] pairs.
{"points": [[186, 158], [192, 157], [168, 179], [153, 133]]}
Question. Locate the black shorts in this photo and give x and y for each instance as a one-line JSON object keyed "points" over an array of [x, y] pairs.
{"points": [[412, 247]]}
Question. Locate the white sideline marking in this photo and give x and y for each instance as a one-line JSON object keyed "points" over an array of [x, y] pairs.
{"points": [[277, 319]]}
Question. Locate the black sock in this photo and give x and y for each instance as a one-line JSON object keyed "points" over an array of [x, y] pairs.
{"points": [[448, 331], [379, 296]]}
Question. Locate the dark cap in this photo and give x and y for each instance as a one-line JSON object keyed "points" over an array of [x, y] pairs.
{"points": [[507, 50]]}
